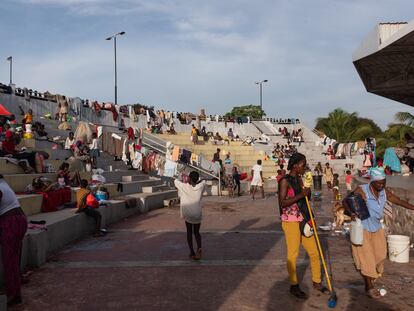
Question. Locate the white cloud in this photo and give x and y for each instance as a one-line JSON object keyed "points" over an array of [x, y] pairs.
{"points": [[193, 54]]}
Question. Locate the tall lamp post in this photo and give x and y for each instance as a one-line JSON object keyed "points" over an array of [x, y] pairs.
{"points": [[10, 59], [261, 91], [116, 78]]}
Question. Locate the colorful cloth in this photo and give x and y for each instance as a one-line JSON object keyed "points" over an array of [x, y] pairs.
{"points": [[175, 153], [291, 213], [391, 160], [369, 257], [376, 173], [81, 195], [185, 156], [55, 198], [170, 168], [12, 231]]}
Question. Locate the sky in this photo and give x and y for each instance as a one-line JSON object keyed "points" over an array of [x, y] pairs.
{"points": [[190, 54]]}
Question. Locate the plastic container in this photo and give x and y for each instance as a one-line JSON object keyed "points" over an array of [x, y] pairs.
{"points": [[357, 232], [357, 204], [399, 248], [88, 167], [317, 182]]}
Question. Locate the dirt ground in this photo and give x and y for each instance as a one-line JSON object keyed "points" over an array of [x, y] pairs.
{"points": [[142, 264]]}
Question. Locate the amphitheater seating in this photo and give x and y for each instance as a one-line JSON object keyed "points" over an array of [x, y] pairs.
{"points": [[244, 156]]}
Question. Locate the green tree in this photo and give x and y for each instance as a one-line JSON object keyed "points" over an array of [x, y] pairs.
{"points": [[252, 111], [405, 118], [393, 137], [347, 127]]}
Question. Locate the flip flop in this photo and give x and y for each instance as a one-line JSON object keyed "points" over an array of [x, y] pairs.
{"points": [[374, 293]]}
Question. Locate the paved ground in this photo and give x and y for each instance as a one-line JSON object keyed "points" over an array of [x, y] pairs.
{"points": [[142, 265]]}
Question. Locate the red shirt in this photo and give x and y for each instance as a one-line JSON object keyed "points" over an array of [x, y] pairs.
{"points": [[348, 179]]}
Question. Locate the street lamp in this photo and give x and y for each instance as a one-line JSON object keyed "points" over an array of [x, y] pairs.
{"points": [[110, 38], [261, 91], [10, 59]]}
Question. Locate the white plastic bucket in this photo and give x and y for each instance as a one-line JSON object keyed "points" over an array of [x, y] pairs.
{"points": [[399, 248]]}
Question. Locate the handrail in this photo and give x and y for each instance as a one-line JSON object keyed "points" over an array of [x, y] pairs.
{"points": [[190, 165]]}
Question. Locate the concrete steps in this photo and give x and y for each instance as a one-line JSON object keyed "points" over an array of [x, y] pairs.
{"points": [[66, 226], [19, 182], [153, 189], [31, 204]]}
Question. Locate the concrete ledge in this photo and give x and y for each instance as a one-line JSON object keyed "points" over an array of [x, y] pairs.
{"points": [[116, 176], [9, 168], [153, 189], [30, 203], [19, 182], [66, 226]]}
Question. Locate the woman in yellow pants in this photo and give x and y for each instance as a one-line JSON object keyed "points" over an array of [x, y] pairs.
{"points": [[293, 211]]}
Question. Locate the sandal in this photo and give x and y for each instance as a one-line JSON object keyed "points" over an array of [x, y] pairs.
{"points": [[319, 287], [99, 234], [374, 293], [297, 292], [198, 254]]}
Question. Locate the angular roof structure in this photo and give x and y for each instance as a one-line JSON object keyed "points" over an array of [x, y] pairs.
{"points": [[385, 61]]}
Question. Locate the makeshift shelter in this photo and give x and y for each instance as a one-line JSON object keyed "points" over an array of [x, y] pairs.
{"points": [[4, 111]]}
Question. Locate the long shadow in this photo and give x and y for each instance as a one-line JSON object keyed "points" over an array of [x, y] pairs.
{"points": [[140, 270]]}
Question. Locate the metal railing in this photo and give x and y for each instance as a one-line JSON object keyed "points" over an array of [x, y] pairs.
{"points": [[151, 141]]}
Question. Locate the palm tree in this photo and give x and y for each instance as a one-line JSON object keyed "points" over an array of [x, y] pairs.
{"points": [[405, 117], [394, 136], [346, 127]]}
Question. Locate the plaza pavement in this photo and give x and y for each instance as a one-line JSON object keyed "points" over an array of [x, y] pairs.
{"points": [[142, 264]]}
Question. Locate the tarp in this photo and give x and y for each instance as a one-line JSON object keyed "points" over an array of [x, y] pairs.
{"points": [[4, 111]]}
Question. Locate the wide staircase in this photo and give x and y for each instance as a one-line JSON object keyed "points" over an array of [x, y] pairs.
{"points": [[131, 192], [311, 147], [243, 156]]}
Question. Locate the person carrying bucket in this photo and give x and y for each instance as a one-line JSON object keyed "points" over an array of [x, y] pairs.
{"points": [[294, 213], [370, 256]]}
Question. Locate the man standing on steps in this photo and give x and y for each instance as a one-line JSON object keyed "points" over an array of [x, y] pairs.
{"points": [[257, 178], [216, 157]]}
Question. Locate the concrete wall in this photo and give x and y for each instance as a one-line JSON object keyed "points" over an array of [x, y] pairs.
{"points": [[41, 107]]}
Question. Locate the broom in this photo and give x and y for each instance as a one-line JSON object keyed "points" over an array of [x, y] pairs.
{"points": [[333, 298]]}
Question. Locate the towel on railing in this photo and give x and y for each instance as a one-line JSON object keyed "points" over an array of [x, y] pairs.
{"points": [[186, 156], [170, 168], [176, 153]]}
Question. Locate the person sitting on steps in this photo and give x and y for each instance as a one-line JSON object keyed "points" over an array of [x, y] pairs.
{"points": [[87, 205]]}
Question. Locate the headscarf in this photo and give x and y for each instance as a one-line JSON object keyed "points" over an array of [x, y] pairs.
{"points": [[377, 173]]}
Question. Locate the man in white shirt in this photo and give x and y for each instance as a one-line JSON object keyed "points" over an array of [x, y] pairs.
{"points": [[70, 141], [257, 178]]}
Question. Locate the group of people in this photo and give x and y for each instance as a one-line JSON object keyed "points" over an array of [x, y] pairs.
{"points": [[10, 137], [293, 210], [230, 173], [87, 152], [215, 139], [282, 152], [13, 227]]}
